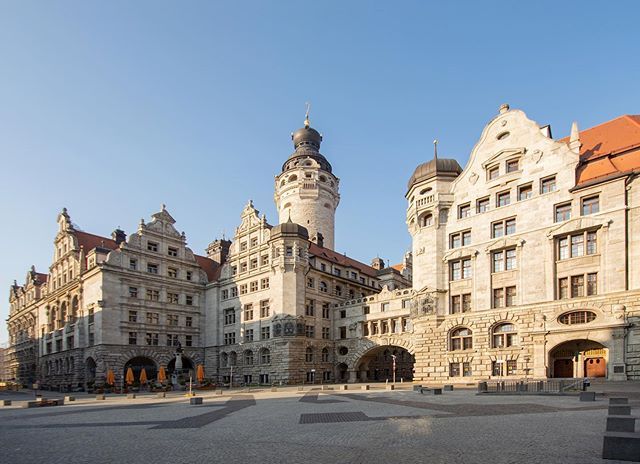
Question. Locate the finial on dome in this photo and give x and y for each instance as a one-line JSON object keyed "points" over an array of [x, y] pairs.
{"points": [[435, 149], [307, 123], [504, 108]]}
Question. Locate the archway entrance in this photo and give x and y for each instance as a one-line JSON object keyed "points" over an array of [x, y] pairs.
{"points": [[137, 364], [378, 365], [578, 358]]}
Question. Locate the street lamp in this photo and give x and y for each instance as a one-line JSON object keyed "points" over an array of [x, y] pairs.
{"points": [[393, 356]]}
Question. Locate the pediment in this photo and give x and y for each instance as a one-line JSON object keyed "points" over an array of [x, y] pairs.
{"points": [[458, 253], [503, 242], [504, 154], [581, 223]]}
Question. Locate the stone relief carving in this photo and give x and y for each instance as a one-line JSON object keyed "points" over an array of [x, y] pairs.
{"points": [[473, 178], [424, 305]]}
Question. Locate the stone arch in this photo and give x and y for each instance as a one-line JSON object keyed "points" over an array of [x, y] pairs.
{"points": [[137, 363], [367, 346], [567, 358]]}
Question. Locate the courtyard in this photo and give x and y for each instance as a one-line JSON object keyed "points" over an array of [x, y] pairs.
{"points": [[314, 425]]}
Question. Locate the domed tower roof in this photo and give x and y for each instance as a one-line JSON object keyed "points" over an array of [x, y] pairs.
{"points": [[435, 167], [306, 142], [289, 229]]}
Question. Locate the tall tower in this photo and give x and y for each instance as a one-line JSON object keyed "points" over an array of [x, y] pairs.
{"points": [[306, 191]]}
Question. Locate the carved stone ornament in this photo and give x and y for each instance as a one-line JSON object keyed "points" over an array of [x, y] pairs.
{"points": [[537, 155], [473, 178], [424, 305]]}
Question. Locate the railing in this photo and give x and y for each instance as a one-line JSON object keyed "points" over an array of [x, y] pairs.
{"points": [[425, 201], [557, 386]]}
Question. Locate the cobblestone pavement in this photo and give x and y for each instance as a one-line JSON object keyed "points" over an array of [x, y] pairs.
{"points": [[312, 426]]}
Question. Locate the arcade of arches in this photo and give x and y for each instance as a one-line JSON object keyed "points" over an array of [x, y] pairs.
{"points": [[578, 358]]}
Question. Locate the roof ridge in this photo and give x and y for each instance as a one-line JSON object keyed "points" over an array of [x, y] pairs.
{"points": [[632, 118]]}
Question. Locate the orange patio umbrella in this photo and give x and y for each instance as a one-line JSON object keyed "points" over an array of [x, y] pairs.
{"points": [[162, 375], [200, 373], [143, 375], [129, 378], [111, 379]]}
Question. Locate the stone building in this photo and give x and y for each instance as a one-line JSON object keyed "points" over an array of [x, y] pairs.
{"points": [[524, 264]]}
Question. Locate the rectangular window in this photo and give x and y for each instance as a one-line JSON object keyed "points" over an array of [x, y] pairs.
{"points": [[510, 226], [189, 275], [243, 246], [563, 212], [366, 310], [466, 302], [171, 251], [482, 205], [326, 333], [310, 308], [152, 339], [466, 268], [133, 264], [254, 242], [230, 338], [466, 369], [152, 246], [563, 288], [325, 311], [343, 332], [152, 318], [592, 284], [496, 368], [406, 304], [264, 260], [172, 319], [133, 338], [264, 308], [153, 295], [229, 316], [337, 271], [309, 331], [497, 229], [310, 282], [577, 245], [512, 367], [525, 192], [243, 266], [455, 240], [133, 316], [466, 238], [253, 286], [498, 261], [548, 184], [188, 300], [172, 272], [265, 333], [248, 335], [493, 173], [577, 286], [590, 205], [188, 340], [513, 165], [503, 198], [456, 304], [234, 270], [234, 292], [563, 248], [152, 268], [172, 340], [172, 297], [384, 307], [510, 259], [498, 297], [264, 283], [454, 369], [510, 296], [343, 314], [464, 210], [225, 294], [253, 264], [243, 289], [248, 312], [591, 243], [133, 292], [188, 321]]}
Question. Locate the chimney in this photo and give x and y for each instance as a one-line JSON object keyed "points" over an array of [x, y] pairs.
{"points": [[377, 264], [218, 250], [319, 240], [118, 236]]}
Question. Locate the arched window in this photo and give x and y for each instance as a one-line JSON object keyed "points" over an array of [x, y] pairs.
{"points": [[292, 178], [74, 309], [504, 335], [224, 360], [63, 315], [308, 354], [323, 179], [265, 356], [323, 287], [461, 339], [284, 181], [248, 358], [577, 317], [426, 220], [325, 355]]}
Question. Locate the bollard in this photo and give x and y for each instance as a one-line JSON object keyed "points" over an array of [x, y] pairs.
{"points": [[344, 387], [390, 387], [618, 401], [365, 387], [100, 397], [131, 396], [69, 398], [195, 400], [587, 396], [448, 388], [161, 395], [6, 402]]}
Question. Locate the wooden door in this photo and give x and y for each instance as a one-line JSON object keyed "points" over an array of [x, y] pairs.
{"points": [[563, 368], [595, 367]]}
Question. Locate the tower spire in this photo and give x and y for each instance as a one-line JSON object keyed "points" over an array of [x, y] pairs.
{"points": [[435, 149], [307, 123]]}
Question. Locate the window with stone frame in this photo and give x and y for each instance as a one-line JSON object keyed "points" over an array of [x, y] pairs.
{"points": [[248, 335], [265, 356], [264, 260], [461, 339], [229, 316], [172, 319], [326, 333], [133, 292], [188, 340], [229, 338], [342, 332], [504, 335], [253, 286], [464, 210], [248, 312], [172, 272], [310, 308], [234, 292], [326, 312], [253, 264], [562, 212], [325, 355], [525, 192], [152, 246], [188, 321], [172, 340], [264, 283], [265, 333], [243, 289], [152, 318], [189, 275], [264, 308], [172, 251], [152, 268], [153, 295], [563, 288], [323, 287], [152, 339], [309, 331], [248, 358], [133, 264], [254, 242], [503, 198], [504, 227], [308, 354], [225, 294], [460, 269], [548, 184], [133, 338], [454, 369], [133, 316], [243, 246], [310, 282], [482, 205], [172, 297], [493, 172], [512, 165], [590, 205], [243, 266], [573, 245], [503, 260]]}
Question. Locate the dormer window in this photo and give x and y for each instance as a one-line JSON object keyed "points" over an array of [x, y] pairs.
{"points": [[493, 173]]}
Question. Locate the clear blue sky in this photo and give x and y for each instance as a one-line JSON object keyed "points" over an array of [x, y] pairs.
{"points": [[112, 108]]}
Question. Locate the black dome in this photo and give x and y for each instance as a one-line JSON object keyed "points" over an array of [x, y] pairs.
{"points": [[306, 142], [306, 136], [435, 167], [290, 229]]}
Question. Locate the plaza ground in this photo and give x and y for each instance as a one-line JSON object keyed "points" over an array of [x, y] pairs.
{"points": [[312, 426]]}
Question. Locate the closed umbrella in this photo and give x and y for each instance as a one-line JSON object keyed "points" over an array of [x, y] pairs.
{"points": [[111, 379], [200, 373], [143, 375], [162, 375], [129, 377]]}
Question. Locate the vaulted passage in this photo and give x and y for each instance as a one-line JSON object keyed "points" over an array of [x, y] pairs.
{"points": [[578, 358], [379, 363]]}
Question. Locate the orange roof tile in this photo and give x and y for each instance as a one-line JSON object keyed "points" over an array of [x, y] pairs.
{"points": [[609, 150], [398, 267], [343, 260], [209, 266], [90, 241]]}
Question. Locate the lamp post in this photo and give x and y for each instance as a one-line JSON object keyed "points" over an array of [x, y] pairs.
{"points": [[393, 357]]}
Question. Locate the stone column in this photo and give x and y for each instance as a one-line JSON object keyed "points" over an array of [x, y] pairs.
{"points": [[352, 376]]}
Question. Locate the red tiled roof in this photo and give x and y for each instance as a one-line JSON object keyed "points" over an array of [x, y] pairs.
{"points": [[90, 241], [337, 258], [398, 267], [42, 278], [209, 266], [609, 149]]}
